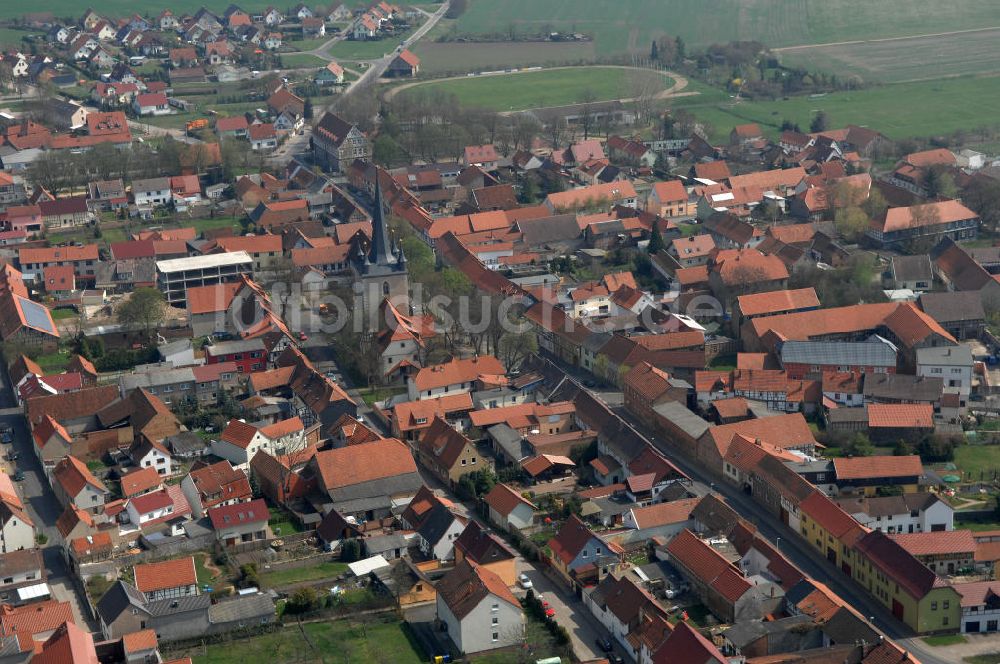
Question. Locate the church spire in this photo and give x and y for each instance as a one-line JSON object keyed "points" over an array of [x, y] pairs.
{"points": [[381, 250]]}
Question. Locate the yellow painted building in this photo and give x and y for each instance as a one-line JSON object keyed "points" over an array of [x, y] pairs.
{"points": [[907, 587], [828, 529]]}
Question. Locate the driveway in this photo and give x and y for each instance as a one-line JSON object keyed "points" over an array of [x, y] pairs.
{"points": [[583, 628]]}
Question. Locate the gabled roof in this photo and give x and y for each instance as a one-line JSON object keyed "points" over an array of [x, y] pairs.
{"points": [[166, 574], [902, 416], [937, 543], [73, 476], [898, 564], [831, 518], [504, 500], [661, 514], [872, 467], [708, 565], [685, 645], [228, 516], [778, 301], [139, 481], [457, 371], [467, 585], [482, 547], [443, 442], [367, 462], [572, 537]]}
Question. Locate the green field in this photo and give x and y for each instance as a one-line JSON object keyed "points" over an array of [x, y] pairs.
{"points": [[337, 641], [438, 58], [971, 459], [540, 89], [302, 61], [629, 25], [10, 38], [912, 59], [900, 110], [362, 50]]}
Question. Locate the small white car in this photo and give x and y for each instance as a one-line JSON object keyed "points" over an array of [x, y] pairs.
{"points": [[524, 581]]}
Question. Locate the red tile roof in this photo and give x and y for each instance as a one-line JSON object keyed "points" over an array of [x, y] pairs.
{"points": [[139, 641], [139, 481], [778, 301], [36, 618], [831, 518], [708, 565], [166, 574], [949, 542], [230, 515], [873, 467], [504, 500], [660, 514], [378, 459], [901, 415], [72, 474], [457, 371]]}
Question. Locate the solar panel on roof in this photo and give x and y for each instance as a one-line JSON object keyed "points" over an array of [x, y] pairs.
{"points": [[36, 316]]}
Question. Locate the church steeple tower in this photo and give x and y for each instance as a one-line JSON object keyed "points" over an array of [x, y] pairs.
{"points": [[381, 271]]}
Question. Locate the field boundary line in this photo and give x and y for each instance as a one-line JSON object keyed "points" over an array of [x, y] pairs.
{"points": [[784, 49]]}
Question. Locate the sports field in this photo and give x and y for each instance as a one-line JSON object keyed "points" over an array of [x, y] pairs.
{"points": [[541, 89], [899, 110], [908, 59]]}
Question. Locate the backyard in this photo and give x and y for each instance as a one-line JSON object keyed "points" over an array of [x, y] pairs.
{"points": [[282, 524], [317, 572], [333, 641]]}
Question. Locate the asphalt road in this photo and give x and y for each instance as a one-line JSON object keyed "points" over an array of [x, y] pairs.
{"points": [[41, 503]]}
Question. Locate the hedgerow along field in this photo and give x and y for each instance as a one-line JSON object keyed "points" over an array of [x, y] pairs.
{"points": [[620, 26], [543, 89]]}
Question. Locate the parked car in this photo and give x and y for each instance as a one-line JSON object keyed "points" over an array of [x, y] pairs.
{"points": [[6, 435], [524, 581], [604, 644], [19, 476], [12, 456]]}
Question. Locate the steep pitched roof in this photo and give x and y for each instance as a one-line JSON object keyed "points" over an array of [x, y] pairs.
{"points": [[367, 462], [504, 500], [467, 585], [73, 475]]}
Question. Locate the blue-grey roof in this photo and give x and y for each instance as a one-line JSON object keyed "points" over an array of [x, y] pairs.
{"points": [[875, 352], [36, 316]]}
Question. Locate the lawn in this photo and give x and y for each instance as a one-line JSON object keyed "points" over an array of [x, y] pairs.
{"points": [[540, 89], [631, 25], [365, 50], [899, 111], [206, 577], [53, 362], [975, 459], [282, 524], [324, 570], [336, 641], [724, 362], [307, 44], [11, 38], [301, 61], [371, 396], [990, 658], [173, 121], [63, 313], [944, 640]]}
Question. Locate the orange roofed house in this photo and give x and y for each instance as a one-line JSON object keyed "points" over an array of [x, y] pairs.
{"points": [[455, 377], [926, 221], [167, 579], [369, 480]]}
